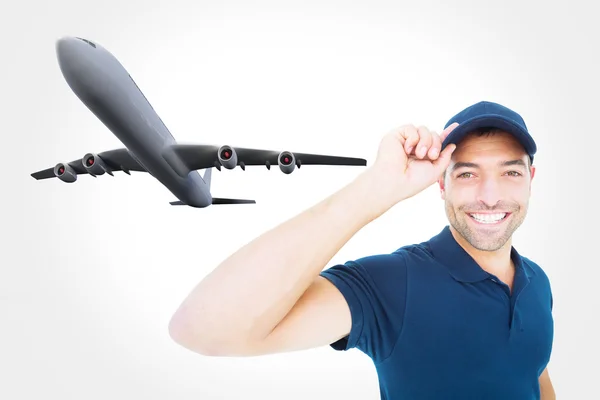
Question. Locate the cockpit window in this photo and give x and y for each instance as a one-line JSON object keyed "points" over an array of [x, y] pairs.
{"points": [[87, 41]]}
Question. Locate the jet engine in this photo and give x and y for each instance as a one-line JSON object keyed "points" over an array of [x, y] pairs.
{"points": [[287, 162], [227, 157], [65, 172], [94, 164]]}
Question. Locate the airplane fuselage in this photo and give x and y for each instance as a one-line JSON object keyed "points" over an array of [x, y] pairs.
{"points": [[109, 92]]}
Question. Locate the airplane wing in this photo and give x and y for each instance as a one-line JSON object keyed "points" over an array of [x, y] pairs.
{"points": [[206, 156], [107, 161]]}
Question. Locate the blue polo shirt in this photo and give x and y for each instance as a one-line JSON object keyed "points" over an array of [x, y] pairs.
{"points": [[437, 326]]}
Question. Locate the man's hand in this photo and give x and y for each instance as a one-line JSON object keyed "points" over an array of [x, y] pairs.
{"points": [[409, 160]]}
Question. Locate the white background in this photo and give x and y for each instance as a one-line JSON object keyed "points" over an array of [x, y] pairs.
{"points": [[90, 273]]}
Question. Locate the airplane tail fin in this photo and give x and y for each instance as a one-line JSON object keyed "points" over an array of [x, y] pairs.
{"points": [[221, 200], [207, 177]]}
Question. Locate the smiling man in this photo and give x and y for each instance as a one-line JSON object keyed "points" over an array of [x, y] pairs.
{"points": [[460, 316]]}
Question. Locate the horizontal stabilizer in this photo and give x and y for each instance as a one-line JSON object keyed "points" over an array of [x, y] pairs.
{"points": [[217, 200], [221, 200]]}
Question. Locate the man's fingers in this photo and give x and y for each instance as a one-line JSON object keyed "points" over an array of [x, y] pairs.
{"points": [[436, 145], [447, 131], [412, 139], [445, 156], [424, 142]]}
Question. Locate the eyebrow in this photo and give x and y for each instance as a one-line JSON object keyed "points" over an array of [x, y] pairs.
{"points": [[463, 164]]}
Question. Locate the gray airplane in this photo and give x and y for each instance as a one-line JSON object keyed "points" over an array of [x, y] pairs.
{"points": [[106, 88]]}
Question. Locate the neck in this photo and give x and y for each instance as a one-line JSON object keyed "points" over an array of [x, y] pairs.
{"points": [[496, 262]]}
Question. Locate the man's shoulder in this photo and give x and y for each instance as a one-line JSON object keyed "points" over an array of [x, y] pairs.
{"points": [[403, 256], [533, 268], [380, 265], [415, 254], [392, 265], [402, 260], [539, 279], [537, 274]]}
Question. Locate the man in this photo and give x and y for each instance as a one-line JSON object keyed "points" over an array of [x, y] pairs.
{"points": [[461, 316]]}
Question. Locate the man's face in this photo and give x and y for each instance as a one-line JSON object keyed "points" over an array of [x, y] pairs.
{"points": [[486, 189]]}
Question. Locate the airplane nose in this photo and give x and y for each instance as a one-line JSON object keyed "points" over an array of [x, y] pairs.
{"points": [[76, 59], [65, 50]]}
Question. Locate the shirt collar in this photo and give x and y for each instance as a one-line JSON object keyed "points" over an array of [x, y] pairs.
{"points": [[460, 264]]}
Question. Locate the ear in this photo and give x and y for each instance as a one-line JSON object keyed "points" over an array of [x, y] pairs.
{"points": [[442, 186]]}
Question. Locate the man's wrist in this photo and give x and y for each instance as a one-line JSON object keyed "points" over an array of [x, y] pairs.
{"points": [[367, 197]]}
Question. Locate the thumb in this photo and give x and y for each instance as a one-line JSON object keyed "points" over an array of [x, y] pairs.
{"points": [[443, 160]]}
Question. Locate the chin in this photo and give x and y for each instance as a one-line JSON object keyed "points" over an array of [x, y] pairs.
{"points": [[488, 245], [486, 233]]}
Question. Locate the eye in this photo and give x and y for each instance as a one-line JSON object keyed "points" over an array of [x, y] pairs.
{"points": [[464, 175], [514, 173]]}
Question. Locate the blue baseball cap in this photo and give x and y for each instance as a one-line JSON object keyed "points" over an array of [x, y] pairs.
{"points": [[486, 114]]}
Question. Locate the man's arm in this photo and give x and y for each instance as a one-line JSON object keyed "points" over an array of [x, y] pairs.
{"points": [[546, 388], [239, 308]]}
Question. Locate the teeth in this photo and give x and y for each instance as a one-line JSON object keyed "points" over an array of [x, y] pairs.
{"points": [[488, 218]]}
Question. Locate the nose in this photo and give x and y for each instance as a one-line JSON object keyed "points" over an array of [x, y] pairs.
{"points": [[65, 46], [76, 62], [65, 50], [490, 192]]}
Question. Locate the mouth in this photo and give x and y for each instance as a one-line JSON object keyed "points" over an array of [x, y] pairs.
{"points": [[488, 219]]}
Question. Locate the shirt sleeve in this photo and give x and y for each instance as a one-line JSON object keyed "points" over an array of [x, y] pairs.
{"points": [[375, 290]]}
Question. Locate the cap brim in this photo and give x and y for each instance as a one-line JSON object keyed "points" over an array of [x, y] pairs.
{"points": [[493, 121]]}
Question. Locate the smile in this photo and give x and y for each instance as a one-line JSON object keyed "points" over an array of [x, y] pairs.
{"points": [[489, 218]]}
